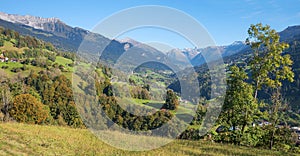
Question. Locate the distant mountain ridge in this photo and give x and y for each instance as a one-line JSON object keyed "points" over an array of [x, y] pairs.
{"points": [[32, 21], [51, 30], [290, 34], [195, 55], [69, 38]]}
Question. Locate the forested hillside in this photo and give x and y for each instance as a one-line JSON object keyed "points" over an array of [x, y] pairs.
{"points": [[36, 88], [35, 82]]}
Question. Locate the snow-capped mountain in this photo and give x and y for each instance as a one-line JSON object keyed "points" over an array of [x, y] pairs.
{"points": [[194, 55], [52, 30], [32, 21]]}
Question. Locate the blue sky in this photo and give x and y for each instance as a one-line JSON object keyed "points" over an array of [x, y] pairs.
{"points": [[226, 21]]}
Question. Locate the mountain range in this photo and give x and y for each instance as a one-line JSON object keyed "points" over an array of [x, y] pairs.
{"points": [[67, 38]]}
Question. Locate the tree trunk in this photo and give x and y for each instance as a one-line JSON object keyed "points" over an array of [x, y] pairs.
{"points": [[245, 122], [272, 139], [256, 89], [255, 94], [6, 99], [274, 115]]}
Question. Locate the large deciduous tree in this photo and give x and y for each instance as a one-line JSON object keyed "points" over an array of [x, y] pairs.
{"points": [[240, 106], [269, 66]]}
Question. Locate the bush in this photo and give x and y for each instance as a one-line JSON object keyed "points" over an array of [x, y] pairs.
{"points": [[16, 70], [71, 65], [27, 109], [26, 61], [140, 93], [295, 149], [4, 67], [52, 57], [1, 42], [253, 137], [24, 67], [172, 102]]}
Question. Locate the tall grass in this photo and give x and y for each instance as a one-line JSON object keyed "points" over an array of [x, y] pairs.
{"points": [[22, 139]]}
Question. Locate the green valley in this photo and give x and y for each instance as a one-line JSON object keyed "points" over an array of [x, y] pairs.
{"points": [[50, 98]]}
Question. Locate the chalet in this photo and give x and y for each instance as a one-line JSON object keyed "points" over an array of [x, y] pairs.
{"points": [[3, 58], [264, 123], [14, 60]]}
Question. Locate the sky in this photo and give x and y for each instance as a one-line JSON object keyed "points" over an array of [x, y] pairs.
{"points": [[226, 21]]}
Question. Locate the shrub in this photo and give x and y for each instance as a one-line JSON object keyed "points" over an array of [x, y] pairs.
{"points": [[16, 70], [24, 67], [172, 102], [4, 67], [26, 61], [27, 109], [1, 42]]}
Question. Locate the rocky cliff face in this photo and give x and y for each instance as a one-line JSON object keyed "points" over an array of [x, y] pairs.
{"points": [[32, 21]]}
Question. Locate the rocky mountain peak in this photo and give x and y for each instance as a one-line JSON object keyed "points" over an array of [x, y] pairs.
{"points": [[32, 21], [130, 41]]}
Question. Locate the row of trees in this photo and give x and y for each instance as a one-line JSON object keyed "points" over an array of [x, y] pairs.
{"points": [[140, 93], [20, 41]]}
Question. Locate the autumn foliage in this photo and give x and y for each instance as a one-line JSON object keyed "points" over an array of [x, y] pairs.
{"points": [[27, 109]]}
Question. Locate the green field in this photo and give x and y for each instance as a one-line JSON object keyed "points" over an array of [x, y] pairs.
{"points": [[12, 65], [8, 46], [63, 61], [22, 139], [59, 60]]}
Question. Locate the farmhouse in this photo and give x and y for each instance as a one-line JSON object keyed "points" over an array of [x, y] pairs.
{"points": [[3, 58]]}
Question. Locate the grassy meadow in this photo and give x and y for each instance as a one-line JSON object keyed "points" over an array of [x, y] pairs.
{"points": [[23, 139]]}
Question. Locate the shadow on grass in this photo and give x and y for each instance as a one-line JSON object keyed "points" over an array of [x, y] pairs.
{"points": [[185, 117], [154, 105]]}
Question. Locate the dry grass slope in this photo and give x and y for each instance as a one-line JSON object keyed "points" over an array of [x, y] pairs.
{"points": [[22, 139]]}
